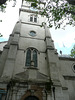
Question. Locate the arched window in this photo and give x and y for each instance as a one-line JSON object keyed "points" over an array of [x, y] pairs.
{"points": [[31, 57]]}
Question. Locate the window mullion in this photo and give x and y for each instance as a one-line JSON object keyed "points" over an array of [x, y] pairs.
{"points": [[31, 55], [32, 61]]}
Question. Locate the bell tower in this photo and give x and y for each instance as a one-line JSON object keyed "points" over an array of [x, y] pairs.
{"points": [[29, 62]]}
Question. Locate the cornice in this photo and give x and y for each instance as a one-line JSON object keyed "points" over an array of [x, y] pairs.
{"points": [[30, 11], [31, 23]]}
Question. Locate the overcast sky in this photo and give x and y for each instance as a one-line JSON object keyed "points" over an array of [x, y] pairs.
{"points": [[63, 39]]}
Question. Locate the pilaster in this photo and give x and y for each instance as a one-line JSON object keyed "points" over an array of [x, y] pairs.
{"points": [[3, 58], [10, 61], [48, 39], [13, 47], [53, 64]]}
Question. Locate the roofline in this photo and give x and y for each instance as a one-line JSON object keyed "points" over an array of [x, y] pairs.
{"points": [[66, 58]]}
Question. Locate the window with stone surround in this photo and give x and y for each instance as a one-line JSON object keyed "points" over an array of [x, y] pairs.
{"points": [[31, 57], [32, 33], [33, 18]]}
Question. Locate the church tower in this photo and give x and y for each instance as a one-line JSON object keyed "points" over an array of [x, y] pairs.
{"points": [[29, 62]]}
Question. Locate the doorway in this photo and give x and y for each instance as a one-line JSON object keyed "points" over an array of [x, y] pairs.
{"points": [[31, 98]]}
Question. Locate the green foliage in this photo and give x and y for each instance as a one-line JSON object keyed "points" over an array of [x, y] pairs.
{"points": [[2, 7], [73, 52], [58, 12], [34, 5], [2, 1], [1, 35]]}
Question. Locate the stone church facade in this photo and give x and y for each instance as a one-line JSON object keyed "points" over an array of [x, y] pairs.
{"points": [[30, 68]]}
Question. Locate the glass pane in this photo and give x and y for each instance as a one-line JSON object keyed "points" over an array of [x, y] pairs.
{"points": [[28, 57], [35, 58], [31, 18], [35, 19], [0, 96], [32, 33], [74, 67], [31, 98]]}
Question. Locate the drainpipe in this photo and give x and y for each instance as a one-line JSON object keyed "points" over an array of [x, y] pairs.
{"points": [[6, 92], [54, 92], [0, 96], [8, 88], [46, 94]]}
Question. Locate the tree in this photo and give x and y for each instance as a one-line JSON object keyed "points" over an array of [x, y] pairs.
{"points": [[2, 1], [3, 4], [71, 2], [58, 12], [73, 51]]}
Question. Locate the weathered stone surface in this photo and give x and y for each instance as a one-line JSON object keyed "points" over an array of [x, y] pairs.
{"points": [[52, 79]]}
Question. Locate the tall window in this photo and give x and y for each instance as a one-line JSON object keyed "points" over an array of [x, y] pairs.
{"points": [[31, 18], [31, 57], [35, 18]]}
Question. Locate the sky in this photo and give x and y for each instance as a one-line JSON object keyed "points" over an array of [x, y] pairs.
{"points": [[63, 39]]}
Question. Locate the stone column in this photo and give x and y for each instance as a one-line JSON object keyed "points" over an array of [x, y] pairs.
{"points": [[14, 94], [10, 62], [11, 57], [49, 96], [3, 58]]}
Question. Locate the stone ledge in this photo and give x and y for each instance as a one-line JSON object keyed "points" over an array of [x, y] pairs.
{"points": [[66, 58], [64, 88], [6, 47], [0, 52], [69, 77], [14, 43], [50, 48]]}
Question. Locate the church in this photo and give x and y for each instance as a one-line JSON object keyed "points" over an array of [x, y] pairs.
{"points": [[30, 68]]}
